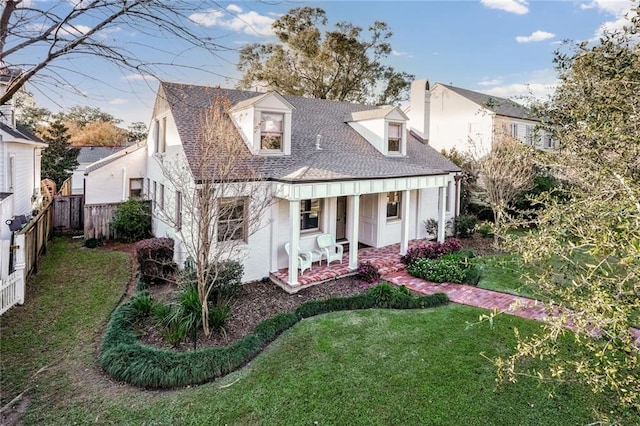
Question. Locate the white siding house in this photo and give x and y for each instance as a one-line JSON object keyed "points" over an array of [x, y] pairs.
{"points": [[471, 121], [350, 170], [87, 156]]}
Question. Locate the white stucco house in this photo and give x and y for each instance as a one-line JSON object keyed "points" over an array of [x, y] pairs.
{"points": [[363, 174], [116, 176], [20, 195], [471, 121]]}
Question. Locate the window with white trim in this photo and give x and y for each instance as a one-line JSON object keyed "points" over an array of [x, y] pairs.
{"points": [[163, 135], [271, 131], [394, 204], [232, 221], [161, 197], [394, 137], [310, 211], [548, 141], [11, 173], [514, 130], [529, 135], [178, 218], [135, 187]]}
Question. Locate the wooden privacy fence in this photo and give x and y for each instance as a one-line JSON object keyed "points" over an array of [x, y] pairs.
{"points": [[97, 218], [68, 212], [36, 235]]}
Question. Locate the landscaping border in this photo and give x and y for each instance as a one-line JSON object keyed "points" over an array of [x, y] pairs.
{"points": [[125, 359]]}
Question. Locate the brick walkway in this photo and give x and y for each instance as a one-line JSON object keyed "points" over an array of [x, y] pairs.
{"points": [[481, 298]]}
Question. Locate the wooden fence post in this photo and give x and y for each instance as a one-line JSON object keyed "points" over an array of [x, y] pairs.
{"points": [[20, 242]]}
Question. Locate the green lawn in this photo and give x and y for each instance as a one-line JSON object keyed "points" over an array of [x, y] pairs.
{"points": [[364, 367], [503, 273]]}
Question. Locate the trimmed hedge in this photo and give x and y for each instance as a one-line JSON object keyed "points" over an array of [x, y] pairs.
{"points": [[126, 360], [155, 260]]}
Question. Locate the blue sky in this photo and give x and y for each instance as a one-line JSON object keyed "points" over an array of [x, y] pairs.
{"points": [[501, 47]]}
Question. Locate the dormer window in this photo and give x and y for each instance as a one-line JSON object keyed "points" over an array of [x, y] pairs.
{"points": [[271, 131], [394, 138]]}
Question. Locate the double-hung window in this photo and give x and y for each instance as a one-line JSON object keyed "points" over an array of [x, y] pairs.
{"points": [[394, 137], [310, 215], [232, 221], [394, 204], [271, 131]]}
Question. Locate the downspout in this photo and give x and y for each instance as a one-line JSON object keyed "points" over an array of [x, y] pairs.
{"points": [[124, 181]]}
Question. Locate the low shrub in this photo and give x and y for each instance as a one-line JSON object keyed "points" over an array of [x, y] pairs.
{"points": [[155, 260], [438, 271], [125, 359], [219, 315], [225, 279], [431, 250], [465, 225], [93, 243], [458, 267], [485, 229], [132, 220], [367, 272], [143, 304]]}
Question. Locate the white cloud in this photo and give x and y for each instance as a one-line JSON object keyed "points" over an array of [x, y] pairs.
{"points": [[234, 19], [137, 77], [486, 83], [76, 30], [396, 53], [535, 36], [118, 101], [616, 8], [519, 7], [523, 92]]}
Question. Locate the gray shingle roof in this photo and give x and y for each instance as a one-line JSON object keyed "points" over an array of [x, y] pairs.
{"points": [[91, 154], [113, 157], [20, 133], [500, 106], [345, 154]]}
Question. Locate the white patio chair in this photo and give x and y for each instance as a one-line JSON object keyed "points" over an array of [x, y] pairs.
{"points": [[304, 259], [328, 246]]}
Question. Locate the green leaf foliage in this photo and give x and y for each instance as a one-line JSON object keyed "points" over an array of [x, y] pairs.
{"points": [[59, 159], [125, 359]]}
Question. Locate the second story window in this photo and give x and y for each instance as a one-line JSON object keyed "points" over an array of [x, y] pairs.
{"points": [[514, 130], [394, 137], [271, 131]]}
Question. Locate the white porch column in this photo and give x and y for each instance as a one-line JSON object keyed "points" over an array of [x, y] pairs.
{"points": [[442, 207], [353, 207], [294, 237], [274, 236], [404, 215]]}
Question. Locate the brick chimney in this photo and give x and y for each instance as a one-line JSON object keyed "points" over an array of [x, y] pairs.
{"points": [[420, 103]]}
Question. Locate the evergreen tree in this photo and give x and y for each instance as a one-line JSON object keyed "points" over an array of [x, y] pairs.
{"points": [[59, 158]]}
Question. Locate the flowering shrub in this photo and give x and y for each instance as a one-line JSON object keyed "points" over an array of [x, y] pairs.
{"points": [[431, 250], [367, 272]]}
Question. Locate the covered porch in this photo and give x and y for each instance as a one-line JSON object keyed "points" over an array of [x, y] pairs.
{"points": [[384, 215], [385, 259]]}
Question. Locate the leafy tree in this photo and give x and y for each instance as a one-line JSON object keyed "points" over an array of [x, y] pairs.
{"points": [[137, 132], [84, 115], [587, 250], [59, 158], [98, 133], [32, 118], [339, 64]]}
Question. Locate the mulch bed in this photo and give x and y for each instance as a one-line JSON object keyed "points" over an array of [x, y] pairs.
{"points": [[258, 301]]}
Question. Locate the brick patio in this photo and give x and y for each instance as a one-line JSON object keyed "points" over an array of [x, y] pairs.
{"points": [[386, 259]]}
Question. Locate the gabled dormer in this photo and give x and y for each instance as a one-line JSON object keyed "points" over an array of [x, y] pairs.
{"points": [[385, 128], [264, 123]]}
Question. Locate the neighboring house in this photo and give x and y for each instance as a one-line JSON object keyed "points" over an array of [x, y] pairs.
{"points": [[20, 195], [471, 121], [87, 156], [353, 171], [116, 177]]}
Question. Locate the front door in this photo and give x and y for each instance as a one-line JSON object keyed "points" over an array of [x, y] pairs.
{"points": [[341, 219]]}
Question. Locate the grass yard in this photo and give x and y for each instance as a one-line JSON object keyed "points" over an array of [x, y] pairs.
{"points": [[364, 367], [503, 273]]}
